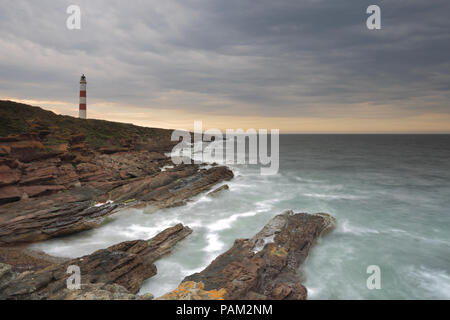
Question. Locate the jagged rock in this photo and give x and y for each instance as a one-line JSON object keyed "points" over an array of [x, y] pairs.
{"points": [[218, 190], [265, 266], [126, 264]]}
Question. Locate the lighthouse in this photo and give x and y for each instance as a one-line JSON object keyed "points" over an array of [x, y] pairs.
{"points": [[82, 113]]}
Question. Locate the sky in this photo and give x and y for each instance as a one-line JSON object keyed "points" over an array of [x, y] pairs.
{"points": [[306, 66]]}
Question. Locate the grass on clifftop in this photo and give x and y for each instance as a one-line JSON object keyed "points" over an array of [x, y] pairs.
{"points": [[17, 118]]}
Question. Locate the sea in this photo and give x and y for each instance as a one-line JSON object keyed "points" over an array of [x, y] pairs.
{"points": [[390, 195]]}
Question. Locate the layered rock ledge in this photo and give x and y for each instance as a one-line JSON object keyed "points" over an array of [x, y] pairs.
{"points": [[263, 267], [75, 210], [113, 273]]}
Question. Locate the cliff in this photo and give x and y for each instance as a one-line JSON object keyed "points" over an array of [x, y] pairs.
{"points": [[60, 175]]}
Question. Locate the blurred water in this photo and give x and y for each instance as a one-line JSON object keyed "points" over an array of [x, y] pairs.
{"points": [[389, 193]]}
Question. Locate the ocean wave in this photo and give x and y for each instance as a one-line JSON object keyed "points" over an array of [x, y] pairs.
{"points": [[307, 180], [214, 244], [346, 227], [226, 223], [136, 231], [333, 196]]}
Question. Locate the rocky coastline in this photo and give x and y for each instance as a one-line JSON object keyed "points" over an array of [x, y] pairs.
{"points": [[61, 175], [264, 267]]}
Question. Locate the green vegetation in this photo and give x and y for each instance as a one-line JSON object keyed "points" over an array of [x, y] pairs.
{"points": [[17, 118]]}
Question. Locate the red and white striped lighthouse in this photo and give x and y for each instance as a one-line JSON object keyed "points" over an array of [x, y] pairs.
{"points": [[82, 113]]}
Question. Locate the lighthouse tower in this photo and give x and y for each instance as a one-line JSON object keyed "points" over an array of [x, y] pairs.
{"points": [[82, 113]]}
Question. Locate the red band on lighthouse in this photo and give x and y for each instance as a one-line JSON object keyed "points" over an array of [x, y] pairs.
{"points": [[83, 104]]}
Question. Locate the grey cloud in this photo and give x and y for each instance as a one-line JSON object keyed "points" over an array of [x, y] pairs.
{"points": [[278, 58]]}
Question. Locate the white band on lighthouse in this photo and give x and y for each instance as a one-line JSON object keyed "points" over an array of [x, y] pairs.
{"points": [[82, 114]]}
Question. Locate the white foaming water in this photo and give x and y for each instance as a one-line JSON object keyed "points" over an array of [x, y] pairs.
{"points": [[390, 196], [346, 227], [332, 196]]}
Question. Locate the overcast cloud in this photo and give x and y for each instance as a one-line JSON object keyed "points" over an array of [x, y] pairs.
{"points": [[283, 58]]}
